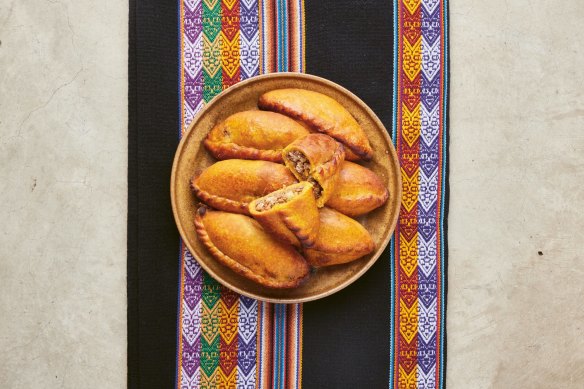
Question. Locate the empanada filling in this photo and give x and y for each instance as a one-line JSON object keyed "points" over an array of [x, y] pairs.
{"points": [[279, 197], [301, 164], [316, 188]]}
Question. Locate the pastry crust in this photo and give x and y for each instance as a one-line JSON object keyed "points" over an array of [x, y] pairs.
{"points": [[316, 158], [290, 214], [253, 135], [321, 113], [240, 243], [340, 240], [358, 191], [232, 184], [351, 156]]}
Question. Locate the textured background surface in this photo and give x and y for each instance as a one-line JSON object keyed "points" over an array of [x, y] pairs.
{"points": [[515, 318], [517, 167], [63, 156]]}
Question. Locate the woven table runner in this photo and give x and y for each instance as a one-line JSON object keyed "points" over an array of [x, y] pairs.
{"points": [[386, 329]]}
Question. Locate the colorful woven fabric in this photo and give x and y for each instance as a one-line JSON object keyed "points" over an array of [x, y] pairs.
{"points": [[230, 341], [226, 340], [418, 255]]}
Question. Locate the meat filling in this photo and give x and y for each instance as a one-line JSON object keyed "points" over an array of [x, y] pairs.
{"points": [[316, 188], [301, 164], [280, 197]]}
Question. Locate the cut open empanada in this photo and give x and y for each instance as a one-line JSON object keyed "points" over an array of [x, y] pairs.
{"points": [[240, 243], [340, 240], [316, 158], [358, 191], [253, 135], [290, 214], [321, 113], [232, 184]]}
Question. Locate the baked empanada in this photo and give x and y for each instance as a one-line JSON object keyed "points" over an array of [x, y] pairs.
{"points": [[232, 184], [358, 191], [253, 135], [340, 240], [289, 214], [316, 158], [240, 243], [321, 113]]}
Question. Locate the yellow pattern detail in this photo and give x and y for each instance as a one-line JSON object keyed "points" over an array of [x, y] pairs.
{"points": [[208, 382], [412, 5], [411, 124], [407, 381], [412, 58], [211, 3], [408, 320], [230, 54], [410, 189], [408, 254], [212, 55], [210, 322], [229, 3], [228, 322], [226, 382]]}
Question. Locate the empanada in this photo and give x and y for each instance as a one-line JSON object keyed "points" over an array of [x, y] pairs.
{"points": [[232, 184], [240, 243], [316, 158], [289, 214], [340, 240], [253, 135], [358, 191], [321, 113]]}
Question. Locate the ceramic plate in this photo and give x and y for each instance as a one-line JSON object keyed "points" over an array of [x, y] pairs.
{"points": [[192, 157]]}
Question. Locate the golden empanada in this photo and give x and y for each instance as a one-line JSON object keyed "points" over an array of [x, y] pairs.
{"points": [[340, 240], [240, 243], [289, 214], [316, 158], [358, 191], [232, 184], [321, 113], [253, 135]]}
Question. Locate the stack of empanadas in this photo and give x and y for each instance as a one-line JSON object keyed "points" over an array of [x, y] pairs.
{"points": [[282, 198]]}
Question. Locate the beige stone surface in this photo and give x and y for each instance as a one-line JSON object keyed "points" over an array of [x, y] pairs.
{"points": [[63, 159], [515, 318]]}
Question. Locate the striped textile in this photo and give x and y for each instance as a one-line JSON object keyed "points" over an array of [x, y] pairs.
{"points": [[418, 247], [224, 339]]}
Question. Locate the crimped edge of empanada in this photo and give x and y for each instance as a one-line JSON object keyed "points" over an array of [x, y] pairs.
{"points": [[305, 240], [226, 150], [362, 151], [329, 171], [232, 263], [332, 166], [218, 202]]}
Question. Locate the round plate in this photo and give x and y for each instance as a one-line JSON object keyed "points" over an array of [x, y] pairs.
{"points": [[191, 158]]}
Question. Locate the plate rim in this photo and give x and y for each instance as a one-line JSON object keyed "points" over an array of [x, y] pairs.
{"points": [[179, 151]]}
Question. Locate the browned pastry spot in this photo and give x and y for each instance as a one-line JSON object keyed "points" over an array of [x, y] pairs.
{"points": [[253, 135], [340, 240], [316, 158], [232, 184], [358, 191], [322, 113], [240, 243], [290, 214]]}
